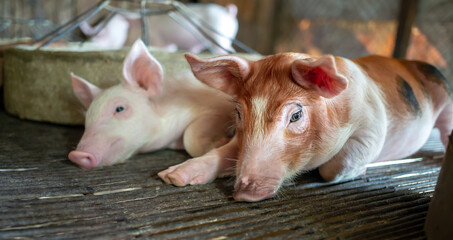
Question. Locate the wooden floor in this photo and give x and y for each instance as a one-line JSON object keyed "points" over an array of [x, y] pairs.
{"points": [[43, 195]]}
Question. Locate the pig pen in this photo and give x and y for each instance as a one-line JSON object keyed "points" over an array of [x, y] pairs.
{"points": [[43, 195]]}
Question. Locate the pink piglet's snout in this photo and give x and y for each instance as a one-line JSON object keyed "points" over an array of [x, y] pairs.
{"points": [[83, 159], [93, 152], [250, 190]]}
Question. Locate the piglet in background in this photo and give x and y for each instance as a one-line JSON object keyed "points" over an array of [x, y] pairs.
{"points": [[297, 112], [111, 36], [147, 112], [166, 33]]}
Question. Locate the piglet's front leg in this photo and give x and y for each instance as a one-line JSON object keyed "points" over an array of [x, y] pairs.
{"points": [[351, 161], [206, 133], [218, 162]]}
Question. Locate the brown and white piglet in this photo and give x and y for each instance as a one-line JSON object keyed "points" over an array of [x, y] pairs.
{"points": [[297, 112]]}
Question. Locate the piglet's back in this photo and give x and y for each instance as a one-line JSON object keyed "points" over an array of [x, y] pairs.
{"points": [[408, 86], [416, 95]]}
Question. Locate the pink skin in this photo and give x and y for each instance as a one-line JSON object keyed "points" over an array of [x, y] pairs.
{"points": [[335, 133], [167, 34], [112, 36], [139, 116], [110, 114], [85, 160], [256, 180], [218, 162], [98, 147], [86, 157]]}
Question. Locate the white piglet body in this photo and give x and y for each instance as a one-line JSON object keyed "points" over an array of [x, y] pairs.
{"points": [[146, 113], [166, 33]]}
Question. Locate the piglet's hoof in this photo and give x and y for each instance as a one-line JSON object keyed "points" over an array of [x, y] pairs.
{"points": [[191, 172]]}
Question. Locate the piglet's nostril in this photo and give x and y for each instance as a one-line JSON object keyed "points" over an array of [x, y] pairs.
{"points": [[251, 190], [84, 160]]}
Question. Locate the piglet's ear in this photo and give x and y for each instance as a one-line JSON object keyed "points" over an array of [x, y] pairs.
{"points": [[320, 75], [84, 90], [141, 70], [222, 73]]}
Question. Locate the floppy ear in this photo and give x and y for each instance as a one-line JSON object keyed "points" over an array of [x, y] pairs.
{"points": [[222, 73], [141, 70], [320, 75], [84, 90]]}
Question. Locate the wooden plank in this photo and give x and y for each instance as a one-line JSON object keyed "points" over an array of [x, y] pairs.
{"points": [[43, 195]]}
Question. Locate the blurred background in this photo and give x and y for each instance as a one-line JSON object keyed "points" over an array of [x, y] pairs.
{"points": [[350, 28]]}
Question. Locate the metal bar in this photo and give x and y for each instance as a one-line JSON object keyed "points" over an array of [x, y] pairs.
{"points": [[101, 26], [159, 2], [5, 8], [23, 14], [408, 11], [186, 26], [31, 24], [144, 22], [238, 43], [187, 16], [74, 20], [24, 21], [104, 23], [76, 23], [5, 25], [13, 27], [147, 11]]}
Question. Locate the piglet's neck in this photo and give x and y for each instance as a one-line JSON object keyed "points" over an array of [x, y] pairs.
{"points": [[185, 92], [333, 126], [173, 120], [183, 99]]}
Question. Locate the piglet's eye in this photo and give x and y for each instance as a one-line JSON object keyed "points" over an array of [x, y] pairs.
{"points": [[296, 116], [119, 109]]}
